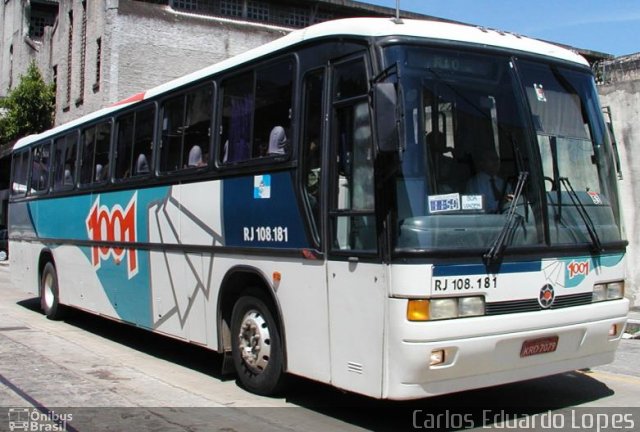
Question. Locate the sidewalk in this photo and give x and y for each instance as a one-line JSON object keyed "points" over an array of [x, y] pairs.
{"points": [[633, 324]]}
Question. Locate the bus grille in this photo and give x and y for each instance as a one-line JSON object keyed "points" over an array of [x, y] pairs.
{"points": [[532, 305]]}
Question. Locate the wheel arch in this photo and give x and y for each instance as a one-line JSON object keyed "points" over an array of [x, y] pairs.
{"points": [[237, 280]]}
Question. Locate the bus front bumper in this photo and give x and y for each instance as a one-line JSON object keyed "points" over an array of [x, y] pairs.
{"points": [[487, 351]]}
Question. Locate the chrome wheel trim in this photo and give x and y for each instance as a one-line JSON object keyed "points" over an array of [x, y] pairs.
{"points": [[47, 287], [254, 341]]}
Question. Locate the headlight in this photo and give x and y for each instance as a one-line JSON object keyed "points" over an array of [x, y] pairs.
{"points": [[444, 308], [615, 290], [599, 292], [608, 291], [471, 306]]}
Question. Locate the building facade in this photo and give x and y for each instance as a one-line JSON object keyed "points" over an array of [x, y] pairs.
{"points": [[620, 91], [100, 51]]}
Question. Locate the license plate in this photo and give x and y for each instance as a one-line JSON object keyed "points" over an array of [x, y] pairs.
{"points": [[539, 346]]}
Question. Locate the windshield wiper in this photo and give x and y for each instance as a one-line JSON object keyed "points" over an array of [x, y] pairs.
{"points": [[588, 223], [509, 227]]}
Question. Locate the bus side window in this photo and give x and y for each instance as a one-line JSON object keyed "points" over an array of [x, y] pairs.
{"points": [[40, 168], [94, 153], [186, 124], [237, 107], [134, 142], [20, 172], [256, 110], [124, 146], [273, 110], [64, 162]]}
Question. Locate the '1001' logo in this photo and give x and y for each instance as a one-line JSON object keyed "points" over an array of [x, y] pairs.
{"points": [[113, 225]]}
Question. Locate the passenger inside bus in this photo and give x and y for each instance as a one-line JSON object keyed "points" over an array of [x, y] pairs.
{"points": [[487, 182], [195, 157], [277, 141], [142, 165]]}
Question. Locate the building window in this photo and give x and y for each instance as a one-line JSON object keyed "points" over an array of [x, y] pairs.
{"points": [[42, 14], [185, 4], [231, 8], [323, 16], [297, 17], [258, 10], [10, 66], [83, 52], [96, 85], [69, 60]]}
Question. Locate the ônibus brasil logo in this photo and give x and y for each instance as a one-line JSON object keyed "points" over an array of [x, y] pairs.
{"points": [[113, 224]]}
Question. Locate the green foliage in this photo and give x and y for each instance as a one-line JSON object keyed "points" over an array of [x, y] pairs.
{"points": [[29, 107]]}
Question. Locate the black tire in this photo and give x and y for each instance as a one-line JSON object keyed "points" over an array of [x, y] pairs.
{"points": [[49, 294], [261, 370]]}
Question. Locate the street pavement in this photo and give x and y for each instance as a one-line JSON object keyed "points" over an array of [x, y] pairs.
{"points": [[109, 376]]}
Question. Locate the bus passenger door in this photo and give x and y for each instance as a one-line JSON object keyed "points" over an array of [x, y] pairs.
{"points": [[354, 273]]}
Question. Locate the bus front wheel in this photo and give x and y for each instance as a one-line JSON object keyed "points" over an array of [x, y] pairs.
{"points": [[256, 345], [49, 294]]}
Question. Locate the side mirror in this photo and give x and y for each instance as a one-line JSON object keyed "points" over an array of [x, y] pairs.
{"points": [[385, 106]]}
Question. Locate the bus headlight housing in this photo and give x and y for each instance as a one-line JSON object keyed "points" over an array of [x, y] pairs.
{"points": [[608, 291], [445, 308], [471, 306], [615, 290]]}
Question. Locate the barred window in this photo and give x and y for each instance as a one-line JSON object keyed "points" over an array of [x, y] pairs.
{"points": [[323, 16], [258, 10], [41, 17], [297, 17], [185, 4], [231, 8]]}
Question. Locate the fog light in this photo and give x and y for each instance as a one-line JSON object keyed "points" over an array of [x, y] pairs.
{"points": [[599, 292], [471, 306], [443, 308], [418, 310], [437, 357], [613, 331], [615, 290]]}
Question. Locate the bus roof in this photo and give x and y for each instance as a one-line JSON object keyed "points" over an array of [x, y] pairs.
{"points": [[364, 27]]}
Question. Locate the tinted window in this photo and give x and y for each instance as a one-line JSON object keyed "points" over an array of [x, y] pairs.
{"points": [[64, 161], [94, 157], [134, 143], [256, 113], [186, 130], [20, 173], [40, 158]]}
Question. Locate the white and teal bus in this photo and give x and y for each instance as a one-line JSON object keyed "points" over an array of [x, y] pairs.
{"points": [[316, 207]]}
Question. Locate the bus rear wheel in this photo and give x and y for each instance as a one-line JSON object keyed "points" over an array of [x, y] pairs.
{"points": [[256, 345], [49, 293]]}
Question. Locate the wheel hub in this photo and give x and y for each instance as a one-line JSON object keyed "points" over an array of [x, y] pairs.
{"points": [[255, 341]]}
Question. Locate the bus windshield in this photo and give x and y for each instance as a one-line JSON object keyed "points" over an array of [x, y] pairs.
{"points": [[469, 167]]}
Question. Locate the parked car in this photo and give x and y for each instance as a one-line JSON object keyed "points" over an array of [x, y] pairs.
{"points": [[4, 244]]}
